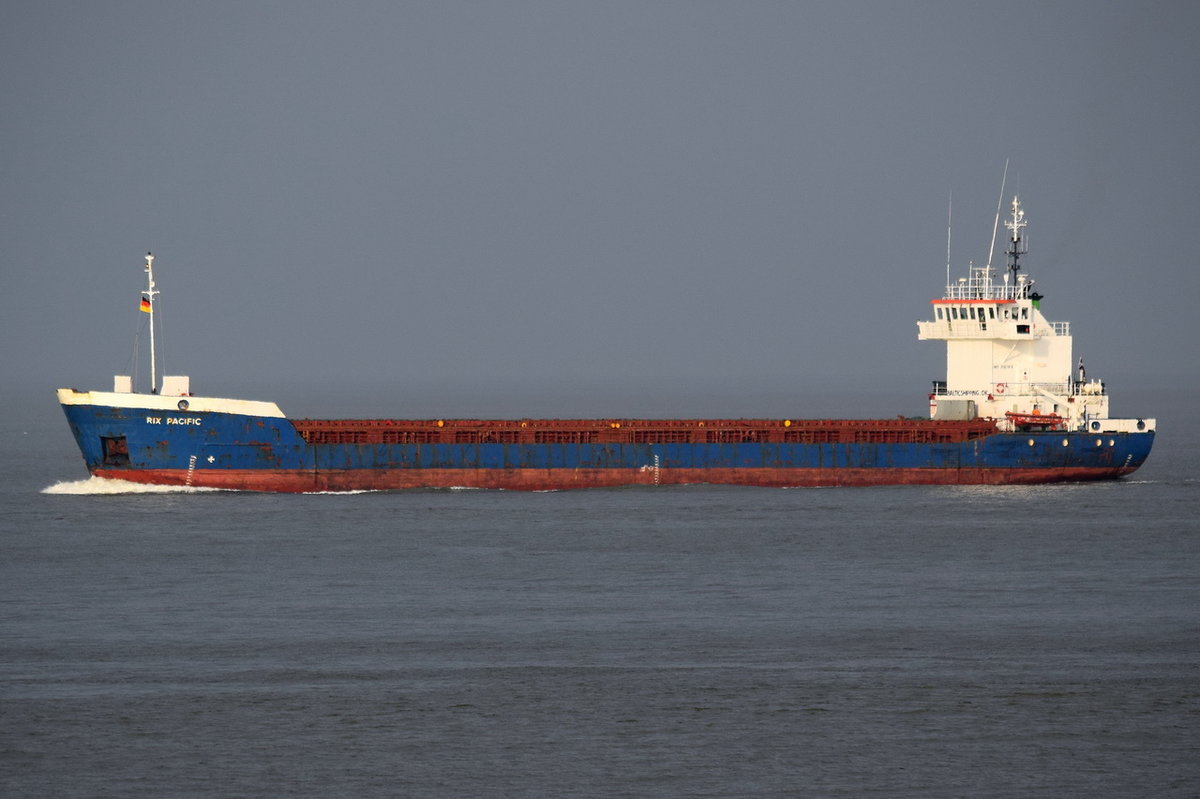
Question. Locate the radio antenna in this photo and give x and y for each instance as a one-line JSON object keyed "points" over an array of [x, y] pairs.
{"points": [[996, 224], [949, 219]]}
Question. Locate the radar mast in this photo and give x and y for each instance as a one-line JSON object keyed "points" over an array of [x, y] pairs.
{"points": [[1016, 244]]}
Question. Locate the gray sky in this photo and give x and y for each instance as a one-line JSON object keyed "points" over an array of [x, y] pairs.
{"points": [[638, 204]]}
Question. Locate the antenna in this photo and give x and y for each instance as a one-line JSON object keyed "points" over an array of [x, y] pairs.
{"points": [[150, 292], [996, 224], [949, 218], [1016, 248]]}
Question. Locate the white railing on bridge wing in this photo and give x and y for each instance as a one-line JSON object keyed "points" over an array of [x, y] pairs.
{"points": [[998, 329], [986, 290]]}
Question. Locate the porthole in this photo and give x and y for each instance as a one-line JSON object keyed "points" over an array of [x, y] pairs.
{"points": [[1031, 442], [1099, 442], [1066, 442], [1141, 425], [183, 405], [1095, 425], [1112, 442]]}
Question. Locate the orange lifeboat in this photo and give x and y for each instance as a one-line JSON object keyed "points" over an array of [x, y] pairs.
{"points": [[1035, 420]]}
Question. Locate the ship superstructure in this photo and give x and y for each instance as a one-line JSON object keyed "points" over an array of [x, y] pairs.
{"points": [[1006, 361]]}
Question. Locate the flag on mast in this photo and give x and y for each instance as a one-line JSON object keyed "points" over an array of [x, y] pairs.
{"points": [[145, 303]]}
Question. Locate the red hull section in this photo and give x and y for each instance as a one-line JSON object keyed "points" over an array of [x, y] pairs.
{"points": [[564, 479]]}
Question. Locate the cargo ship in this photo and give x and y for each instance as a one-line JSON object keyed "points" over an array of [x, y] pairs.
{"points": [[1013, 409]]}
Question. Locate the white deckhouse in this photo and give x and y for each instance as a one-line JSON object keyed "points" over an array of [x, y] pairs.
{"points": [[1006, 361]]}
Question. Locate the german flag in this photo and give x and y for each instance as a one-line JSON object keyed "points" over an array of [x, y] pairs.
{"points": [[145, 303]]}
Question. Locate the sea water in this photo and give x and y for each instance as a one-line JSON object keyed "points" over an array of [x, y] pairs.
{"points": [[684, 641]]}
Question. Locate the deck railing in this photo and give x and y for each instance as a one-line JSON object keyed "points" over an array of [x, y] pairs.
{"points": [[1070, 388]]}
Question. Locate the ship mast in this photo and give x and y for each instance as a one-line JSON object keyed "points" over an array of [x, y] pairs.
{"points": [[150, 293], [1015, 249]]}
